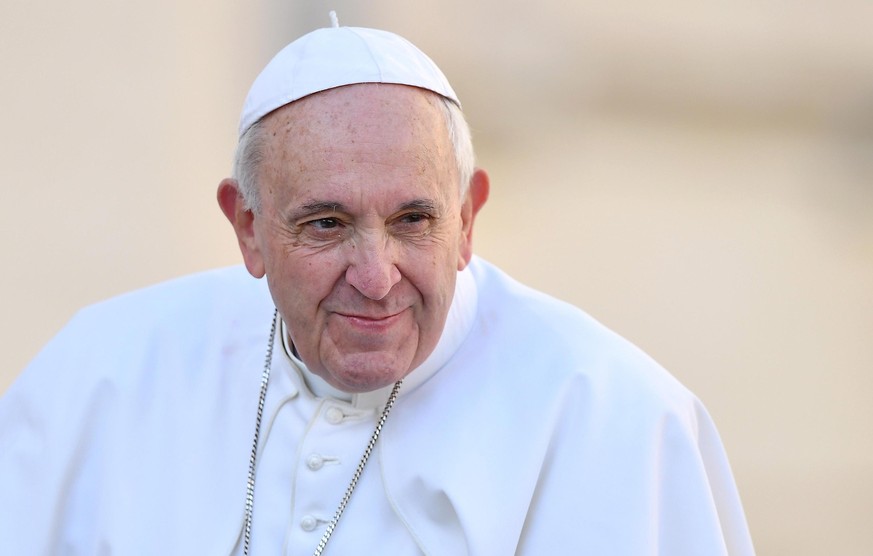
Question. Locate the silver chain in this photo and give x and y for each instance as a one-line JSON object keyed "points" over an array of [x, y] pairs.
{"points": [[262, 398], [250, 485]]}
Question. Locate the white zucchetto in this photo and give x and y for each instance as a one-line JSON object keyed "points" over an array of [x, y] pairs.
{"points": [[337, 56]]}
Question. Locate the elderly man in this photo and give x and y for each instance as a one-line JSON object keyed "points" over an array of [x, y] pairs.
{"points": [[386, 392]]}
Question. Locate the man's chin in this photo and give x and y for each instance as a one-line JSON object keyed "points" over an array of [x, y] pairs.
{"points": [[366, 372]]}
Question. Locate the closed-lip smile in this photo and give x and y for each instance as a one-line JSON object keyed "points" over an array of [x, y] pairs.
{"points": [[370, 321]]}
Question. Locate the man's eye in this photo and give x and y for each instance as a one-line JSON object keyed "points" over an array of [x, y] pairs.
{"points": [[324, 223], [413, 218]]}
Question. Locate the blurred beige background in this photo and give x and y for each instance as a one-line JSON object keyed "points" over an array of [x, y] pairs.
{"points": [[697, 176]]}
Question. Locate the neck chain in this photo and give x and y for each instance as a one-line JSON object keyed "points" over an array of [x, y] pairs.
{"points": [[250, 484]]}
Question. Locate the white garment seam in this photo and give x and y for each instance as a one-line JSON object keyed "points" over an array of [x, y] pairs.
{"points": [[391, 501]]}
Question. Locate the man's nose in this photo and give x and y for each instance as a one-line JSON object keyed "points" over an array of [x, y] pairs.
{"points": [[372, 269]]}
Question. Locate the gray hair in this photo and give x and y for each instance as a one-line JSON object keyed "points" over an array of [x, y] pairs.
{"points": [[250, 153]]}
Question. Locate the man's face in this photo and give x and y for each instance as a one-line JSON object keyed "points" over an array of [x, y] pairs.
{"points": [[361, 230]]}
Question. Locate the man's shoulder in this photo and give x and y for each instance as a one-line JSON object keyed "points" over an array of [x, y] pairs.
{"points": [[496, 287], [506, 302], [195, 286], [558, 342], [195, 296], [179, 319]]}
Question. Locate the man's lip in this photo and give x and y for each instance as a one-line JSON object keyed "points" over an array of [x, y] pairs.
{"points": [[365, 317], [364, 321]]}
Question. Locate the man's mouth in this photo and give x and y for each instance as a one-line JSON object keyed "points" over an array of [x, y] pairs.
{"points": [[373, 322]]}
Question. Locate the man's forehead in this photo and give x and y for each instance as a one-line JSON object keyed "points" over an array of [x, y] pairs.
{"points": [[335, 57], [331, 147], [336, 107]]}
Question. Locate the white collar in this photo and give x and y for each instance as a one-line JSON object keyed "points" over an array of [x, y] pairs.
{"points": [[459, 321]]}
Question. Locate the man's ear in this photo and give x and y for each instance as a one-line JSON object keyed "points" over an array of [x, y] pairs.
{"points": [[477, 194], [234, 207]]}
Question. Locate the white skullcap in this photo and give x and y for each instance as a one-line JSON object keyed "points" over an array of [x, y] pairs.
{"points": [[337, 56]]}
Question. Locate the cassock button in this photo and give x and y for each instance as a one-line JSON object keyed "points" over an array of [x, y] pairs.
{"points": [[334, 416], [315, 462], [308, 523]]}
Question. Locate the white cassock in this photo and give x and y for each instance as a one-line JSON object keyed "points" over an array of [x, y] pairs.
{"points": [[530, 430]]}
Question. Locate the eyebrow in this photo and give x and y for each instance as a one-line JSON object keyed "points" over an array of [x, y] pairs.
{"points": [[320, 206], [316, 207], [423, 205]]}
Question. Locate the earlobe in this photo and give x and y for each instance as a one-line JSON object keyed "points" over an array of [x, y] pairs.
{"points": [[477, 194], [234, 207]]}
